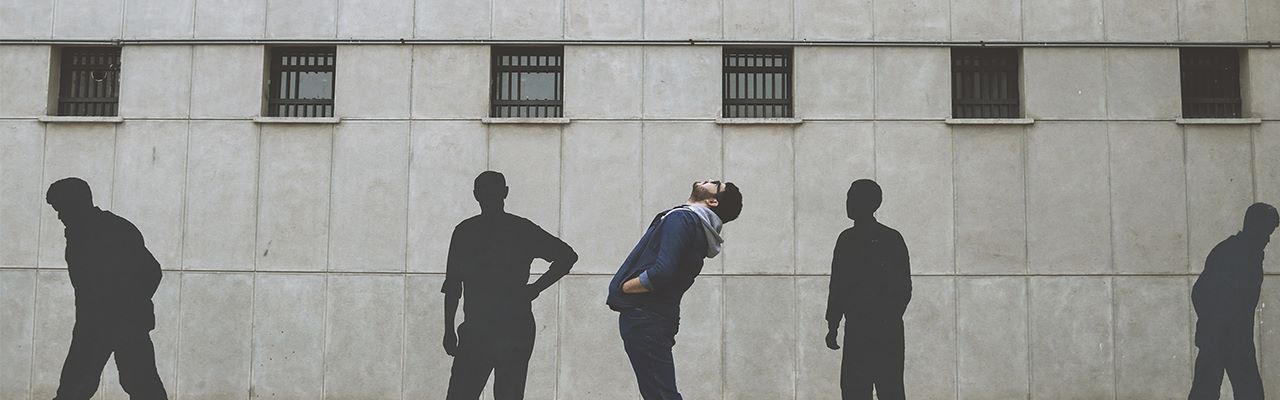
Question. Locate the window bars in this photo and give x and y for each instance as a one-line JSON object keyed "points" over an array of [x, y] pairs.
{"points": [[984, 83], [301, 82], [527, 82], [757, 83], [89, 81], [1210, 83]]}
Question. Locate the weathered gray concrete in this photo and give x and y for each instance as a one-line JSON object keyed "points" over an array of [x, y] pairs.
{"points": [[912, 20], [1071, 334], [1218, 185], [216, 329], [368, 207], [828, 154], [833, 19], [27, 72], [159, 19], [760, 161], [1146, 20], [17, 325], [1065, 83], [593, 77], [529, 157], [1266, 159], [1210, 20], [594, 154], [223, 80], [288, 335], [293, 200], [1143, 84], [528, 19], [444, 161], [1263, 19], [448, 19], [700, 345], [986, 20], [990, 200], [1152, 330], [912, 83], [435, 72], [364, 336], [376, 84], [681, 20], [603, 19], [1068, 207], [289, 19], [21, 191], [930, 325], [593, 364], [991, 324], [1261, 87], [150, 183], [834, 83], [1062, 20], [221, 207], [686, 79], [757, 19], [82, 19], [160, 86], [54, 318], [230, 19], [1148, 198], [759, 337], [817, 367], [377, 19], [33, 22], [914, 169], [84, 151], [426, 366]]}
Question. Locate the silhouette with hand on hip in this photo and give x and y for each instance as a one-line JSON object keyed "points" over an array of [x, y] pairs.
{"points": [[870, 286], [1225, 296], [489, 262], [114, 276]]}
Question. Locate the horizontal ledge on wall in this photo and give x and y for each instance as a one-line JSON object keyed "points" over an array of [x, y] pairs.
{"points": [[297, 120], [551, 121], [990, 121], [1219, 121], [649, 42], [759, 121], [51, 119]]}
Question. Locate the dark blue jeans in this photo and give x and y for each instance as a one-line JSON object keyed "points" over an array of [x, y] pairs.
{"points": [[648, 338]]}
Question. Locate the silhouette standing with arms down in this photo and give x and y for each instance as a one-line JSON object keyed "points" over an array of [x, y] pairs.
{"points": [[647, 288], [1225, 296], [489, 261], [114, 276], [870, 287]]}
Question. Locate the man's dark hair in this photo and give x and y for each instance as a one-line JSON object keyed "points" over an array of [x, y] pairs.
{"points": [[490, 179], [730, 203], [867, 193], [69, 191], [1260, 217]]}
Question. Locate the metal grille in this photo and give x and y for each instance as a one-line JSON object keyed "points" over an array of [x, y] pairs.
{"points": [[301, 82], [1210, 83], [527, 82], [757, 83], [89, 81], [984, 83]]}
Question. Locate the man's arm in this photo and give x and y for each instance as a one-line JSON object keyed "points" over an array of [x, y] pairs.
{"points": [[836, 291], [676, 233], [561, 256], [900, 278], [452, 290]]}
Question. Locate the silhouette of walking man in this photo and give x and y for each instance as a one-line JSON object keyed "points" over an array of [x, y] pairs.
{"points": [[647, 288], [114, 276], [1225, 296], [489, 261], [870, 286]]}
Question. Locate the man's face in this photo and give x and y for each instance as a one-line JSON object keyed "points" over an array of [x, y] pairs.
{"points": [[705, 191], [69, 214]]}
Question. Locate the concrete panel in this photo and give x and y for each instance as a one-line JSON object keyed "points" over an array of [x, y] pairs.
{"points": [[699, 351], [1269, 332], [1143, 84], [760, 160], [912, 20], [682, 82], [26, 19], [528, 19], [682, 19], [1266, 158], [1061, 20], [829, 156], [17, 324], [302, 19], [1068, 206], [1078, 364], [529, 157], [217, 320], [992, 330], [1219, 186], [164, 340], [21, 191], [288, 336], [593, 364], [373, 81], [914, 168], [669, 171], [159, 19], [26, 72], [445, 159], [1153, 360], [293, 201], [986, 20], [833, 19], [1141, 20], [913, 82], [544, 363], [759, 337], [1065, 83], [55, 315], [375, 19], [449, 19], [1148, 198], [227, 82], [758, 19], [150, 180], [86, 151], [1263, 20], [426, 366], [86, 19], [222, 196], [369, 197], [158, 84], [602, 81], [930, 325], [360, 361], [817, 367], [1261, 83], [600, 158], [834, 82], [436, 71], [603, 19], [230, 18], [1210, 20], [990, 197]]}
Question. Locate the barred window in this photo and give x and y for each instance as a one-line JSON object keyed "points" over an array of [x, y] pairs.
{"points": [[757, 83], [89, 81], [1210, 83], [301, 81], [527, 82], [984, 83]]}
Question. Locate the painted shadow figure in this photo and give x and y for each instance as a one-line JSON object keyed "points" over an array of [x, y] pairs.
{"points": [[870, 287], [488, 264], [114, 276], [1225, 296]]}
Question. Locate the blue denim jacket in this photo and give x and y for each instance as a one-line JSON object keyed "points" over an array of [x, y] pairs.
{"points": [[667, 259]]}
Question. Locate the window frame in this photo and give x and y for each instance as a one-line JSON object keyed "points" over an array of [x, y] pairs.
{"points": [[310, 108], [500, 106], [101, 100], [995, 86], [746, 107], [1200, 98]]}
